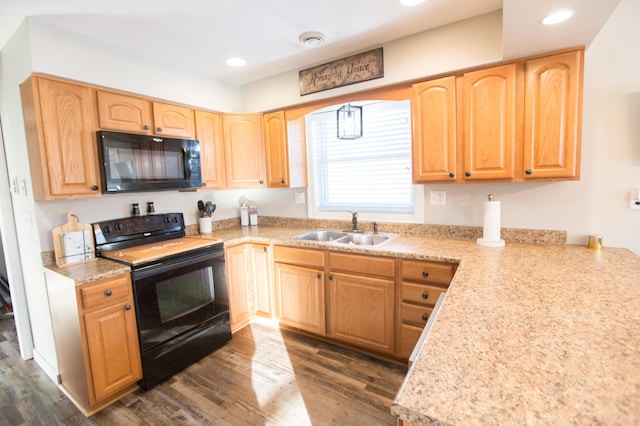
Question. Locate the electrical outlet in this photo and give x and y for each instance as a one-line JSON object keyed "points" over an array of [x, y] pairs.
{"points": [[300, 198], [634, 199], [437, 198]]}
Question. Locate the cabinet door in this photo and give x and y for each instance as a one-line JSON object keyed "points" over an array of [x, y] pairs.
{"points": [[362, 311], [244, 150], [122, 112], [275, 138], [553, 116], [433, 109], [300, 296], [209, 133], [114, 354], [490, 127], [239, 284], [173, 120], [262, 279], [66, 148]]}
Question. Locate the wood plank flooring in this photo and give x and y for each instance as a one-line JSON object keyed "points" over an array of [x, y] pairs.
{"points": [[264, 376]]}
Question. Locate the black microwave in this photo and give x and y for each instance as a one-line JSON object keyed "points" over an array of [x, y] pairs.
{"points": [[130, 163]]}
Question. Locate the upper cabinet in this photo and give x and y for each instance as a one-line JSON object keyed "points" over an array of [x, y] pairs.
{"points": [[244, 150], [285, 151], [552, 118], [514, 122], [60, 126], [490, 131], [209, 133], [127, 113], [433, 109]]}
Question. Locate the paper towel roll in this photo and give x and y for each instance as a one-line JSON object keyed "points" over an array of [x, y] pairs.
{"points": [[491, 225]]}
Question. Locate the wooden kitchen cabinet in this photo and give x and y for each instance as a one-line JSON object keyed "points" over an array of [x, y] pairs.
{"points": [[244, 150], [553, 111], [250, 282], [60, 127], [212, 159], [96, 339], [285, 151], [361, 301], [239, 283], [434, 141], [421, 283], [122, 112], [490, 117], [300, 290]]}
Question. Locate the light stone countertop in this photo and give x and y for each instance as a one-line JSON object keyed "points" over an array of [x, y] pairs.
{"points": [[528, 333]]}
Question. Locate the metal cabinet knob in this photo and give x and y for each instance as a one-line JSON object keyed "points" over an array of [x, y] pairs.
{"points": [[145, 127], [529, 171], [452, 175], [283, 181], [159, 129], [318, 276], [467, 174], [108, 293], [330, 277], [425, 295], [95, 187], [425, 274], [127, 308], [425, 317], [261, 182]]}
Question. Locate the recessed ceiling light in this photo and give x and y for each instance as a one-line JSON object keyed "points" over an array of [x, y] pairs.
{"points": [[411, 2], [557, 17], [311, 39], [236, 62]]}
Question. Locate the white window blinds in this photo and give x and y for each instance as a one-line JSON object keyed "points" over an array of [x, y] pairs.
{"points": [[370, 174]]}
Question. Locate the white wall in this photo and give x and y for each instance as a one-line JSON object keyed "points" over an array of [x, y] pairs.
{"points": [[459, 45]]}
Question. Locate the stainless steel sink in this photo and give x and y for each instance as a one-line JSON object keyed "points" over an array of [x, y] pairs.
{"points": [[360, 239], [364, 239], [322, 235]]}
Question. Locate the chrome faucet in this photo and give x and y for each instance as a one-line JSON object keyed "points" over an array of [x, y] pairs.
{"points": [[375, 227], [354, 220]]}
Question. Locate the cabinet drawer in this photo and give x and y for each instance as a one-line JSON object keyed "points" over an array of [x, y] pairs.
{"points": [[298, 256], [414, 314], [371, 265], [421, 293], [409, 335], [105, 293], [434, 272]]}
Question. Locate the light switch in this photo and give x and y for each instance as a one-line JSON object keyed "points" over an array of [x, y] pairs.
{"points": [[437, 198]]}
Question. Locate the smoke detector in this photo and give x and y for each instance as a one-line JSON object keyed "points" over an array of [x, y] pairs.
{"points": [[311, 39]]}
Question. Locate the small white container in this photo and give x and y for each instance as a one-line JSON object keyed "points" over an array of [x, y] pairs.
{"points": [[253, 215], [204, 223], [244, 216]]}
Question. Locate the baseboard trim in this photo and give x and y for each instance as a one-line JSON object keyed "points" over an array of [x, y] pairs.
{"points": [[50, 371]]}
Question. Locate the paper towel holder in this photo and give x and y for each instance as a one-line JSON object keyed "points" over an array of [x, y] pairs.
{"points": [[491, 225]]}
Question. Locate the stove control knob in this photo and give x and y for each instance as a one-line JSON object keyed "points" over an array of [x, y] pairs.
{"points": [[106, 229], [118, 227]]}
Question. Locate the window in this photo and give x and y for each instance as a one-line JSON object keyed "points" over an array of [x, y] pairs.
{"points": [[371, 174]]}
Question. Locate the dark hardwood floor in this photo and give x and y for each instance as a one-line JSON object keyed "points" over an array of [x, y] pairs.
{"points": [[264, 376]]}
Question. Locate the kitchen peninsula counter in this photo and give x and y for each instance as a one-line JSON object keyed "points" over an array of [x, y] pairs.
{"points": [[528, 333]]}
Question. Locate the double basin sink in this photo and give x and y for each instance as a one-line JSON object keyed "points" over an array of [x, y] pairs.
{"points": [[345, 237]]}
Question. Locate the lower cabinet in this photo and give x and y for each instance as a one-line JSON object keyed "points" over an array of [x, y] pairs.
{"points": [[96, 339], [249, 282], [300, 291], [421, 283]]}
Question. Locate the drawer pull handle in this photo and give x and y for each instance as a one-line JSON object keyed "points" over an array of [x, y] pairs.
{"points": [[425, 274], [128, 308], [108, 293], [330, 277], [318, 276], [425, 295], [425, 317]]}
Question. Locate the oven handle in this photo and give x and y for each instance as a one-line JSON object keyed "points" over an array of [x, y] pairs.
{"points": [[201, 329], [161, 267]]}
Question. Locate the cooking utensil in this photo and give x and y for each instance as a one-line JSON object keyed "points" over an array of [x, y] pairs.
{"points": [[209, 208], [201, 208]]}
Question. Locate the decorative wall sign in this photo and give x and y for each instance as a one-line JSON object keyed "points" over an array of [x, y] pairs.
{"points": [[343, 72]]}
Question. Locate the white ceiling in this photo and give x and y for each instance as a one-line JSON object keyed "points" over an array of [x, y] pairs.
{"points": [[201, 34]]}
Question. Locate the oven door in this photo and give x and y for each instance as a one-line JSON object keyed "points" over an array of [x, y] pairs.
{"points": [[175, 297]]}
